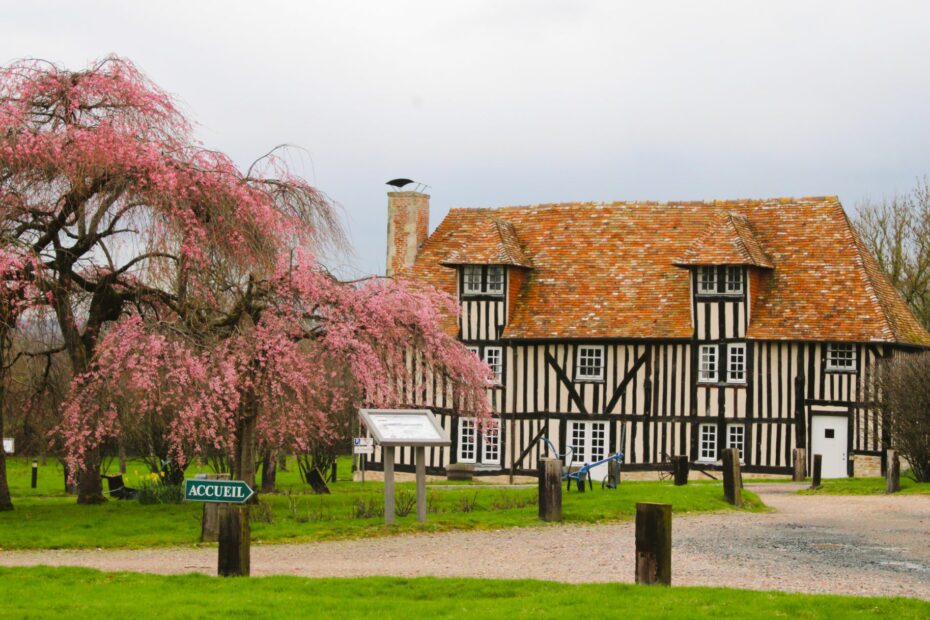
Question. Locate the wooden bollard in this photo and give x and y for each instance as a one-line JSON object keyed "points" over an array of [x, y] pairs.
{"points": [[210, 520], [800, 465], [680, 468], [35, 473], [234, 556], [732, 477], [550, 489], [892, 471], [815, 477], [654, 544]]}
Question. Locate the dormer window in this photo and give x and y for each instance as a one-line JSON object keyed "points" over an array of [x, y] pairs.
{"points": [[730, 280], [483, 280]]}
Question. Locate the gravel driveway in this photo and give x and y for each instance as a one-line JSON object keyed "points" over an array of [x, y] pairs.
{"points": [[867, 545]]}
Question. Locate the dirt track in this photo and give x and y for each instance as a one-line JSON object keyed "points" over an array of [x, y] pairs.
{"points": [[871, 545]]}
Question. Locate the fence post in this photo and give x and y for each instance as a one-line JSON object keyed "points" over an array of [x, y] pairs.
{"points": [[35, 473], [732, 478], [815, 478], [680, 468], [892, 471], [550, 489], [800, 465], [654, 544]]}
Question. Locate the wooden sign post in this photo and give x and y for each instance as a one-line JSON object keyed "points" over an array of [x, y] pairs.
{"points": [[233, 556], [800, 465], [392, 428], [815, 477]]}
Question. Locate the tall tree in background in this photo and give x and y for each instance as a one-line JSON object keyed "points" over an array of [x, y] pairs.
{"points": [[102, 181], [897, 231]]}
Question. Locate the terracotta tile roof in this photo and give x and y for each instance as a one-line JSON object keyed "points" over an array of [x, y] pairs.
{"points": [[608, 270], [727, 240], [493, 242]]}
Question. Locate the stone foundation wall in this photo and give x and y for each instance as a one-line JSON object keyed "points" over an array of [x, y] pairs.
{"points": [[866, 466]]}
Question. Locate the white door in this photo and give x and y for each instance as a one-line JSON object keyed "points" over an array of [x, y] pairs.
{"points": [[589, 445], [828, 438]]}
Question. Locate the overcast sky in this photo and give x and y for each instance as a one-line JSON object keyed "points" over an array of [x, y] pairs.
{"points": [[499, 103]]}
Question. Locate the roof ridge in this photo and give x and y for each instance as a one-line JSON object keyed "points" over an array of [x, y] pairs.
{"points": [[710, 202]]}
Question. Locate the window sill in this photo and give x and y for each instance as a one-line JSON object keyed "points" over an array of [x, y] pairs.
{"points": [[589, 380], [841, 371]]}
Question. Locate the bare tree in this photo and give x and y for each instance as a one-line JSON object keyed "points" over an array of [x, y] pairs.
{"points": [[903, 396], [897, 231]]}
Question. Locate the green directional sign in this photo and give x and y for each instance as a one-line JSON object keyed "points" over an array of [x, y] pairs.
{"points": [[217, 491]]}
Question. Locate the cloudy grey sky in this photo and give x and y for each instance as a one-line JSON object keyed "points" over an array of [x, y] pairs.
{"points": [[496, 103]]}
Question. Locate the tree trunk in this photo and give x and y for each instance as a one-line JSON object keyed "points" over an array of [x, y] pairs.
{"points": [[90, 486], [269, 472]]}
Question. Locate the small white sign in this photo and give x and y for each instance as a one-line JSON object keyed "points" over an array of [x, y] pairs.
{"points": [[361, 442], [369, 450], [8, 445], [405, 427]]}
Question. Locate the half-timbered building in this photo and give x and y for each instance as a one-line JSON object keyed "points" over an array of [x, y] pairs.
{"points": [[660, 329]]}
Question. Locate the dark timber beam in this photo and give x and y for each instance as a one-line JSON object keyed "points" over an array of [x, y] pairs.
{"points": [[629, 376], [569, 386]]}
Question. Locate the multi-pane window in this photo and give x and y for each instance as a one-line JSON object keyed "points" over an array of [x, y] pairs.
{"points": [[473, 279], [707, 442], [493, 357], [472, 443], [590, 363], [707, 280], [841, 356], [490, 446], [733, 285], [468, 440], [736, 438], [483, 280], [588, 441], [495, 280], [707, 363], [736, 363]]}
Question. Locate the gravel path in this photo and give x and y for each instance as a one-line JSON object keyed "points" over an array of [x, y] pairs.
{"points": [[865, 545]]}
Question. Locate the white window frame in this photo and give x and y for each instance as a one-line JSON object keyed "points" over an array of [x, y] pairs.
{"points": [[593, 438], [735, 431], [491, 446], [736, 364], [498, 280], [497, 367], [585, 351], [844, 363], [731, 285], [708, 365], [471, 443], [467, 451], [707, 443], [707, 286], [469, 285]]}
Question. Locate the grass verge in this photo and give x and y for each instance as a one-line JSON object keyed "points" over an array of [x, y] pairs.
{"points": [[866, 486], [84, 593], [353, 510]]}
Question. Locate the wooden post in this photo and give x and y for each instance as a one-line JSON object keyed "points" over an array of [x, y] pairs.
{"points": [[815, 479], [421, 483], [388, 452], [35, 473], [892, 471], [613, 469], [654, 544], [234, 557], [210, 520], [680, 467], [550, 489], [732, 478], [800, 465]]}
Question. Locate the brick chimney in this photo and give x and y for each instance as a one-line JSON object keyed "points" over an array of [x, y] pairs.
{"points": [[407, 229]]}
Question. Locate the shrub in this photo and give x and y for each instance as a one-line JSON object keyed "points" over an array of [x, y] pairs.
{"points": [[367, 508], [152, 489], [467, 503]]}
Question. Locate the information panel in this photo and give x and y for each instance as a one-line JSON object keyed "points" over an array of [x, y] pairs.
{"points": [[404, 427]]}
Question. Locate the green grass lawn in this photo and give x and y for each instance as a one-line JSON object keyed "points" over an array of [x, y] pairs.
{"points": [[83, 593], [47, 518], [866, 486]]}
